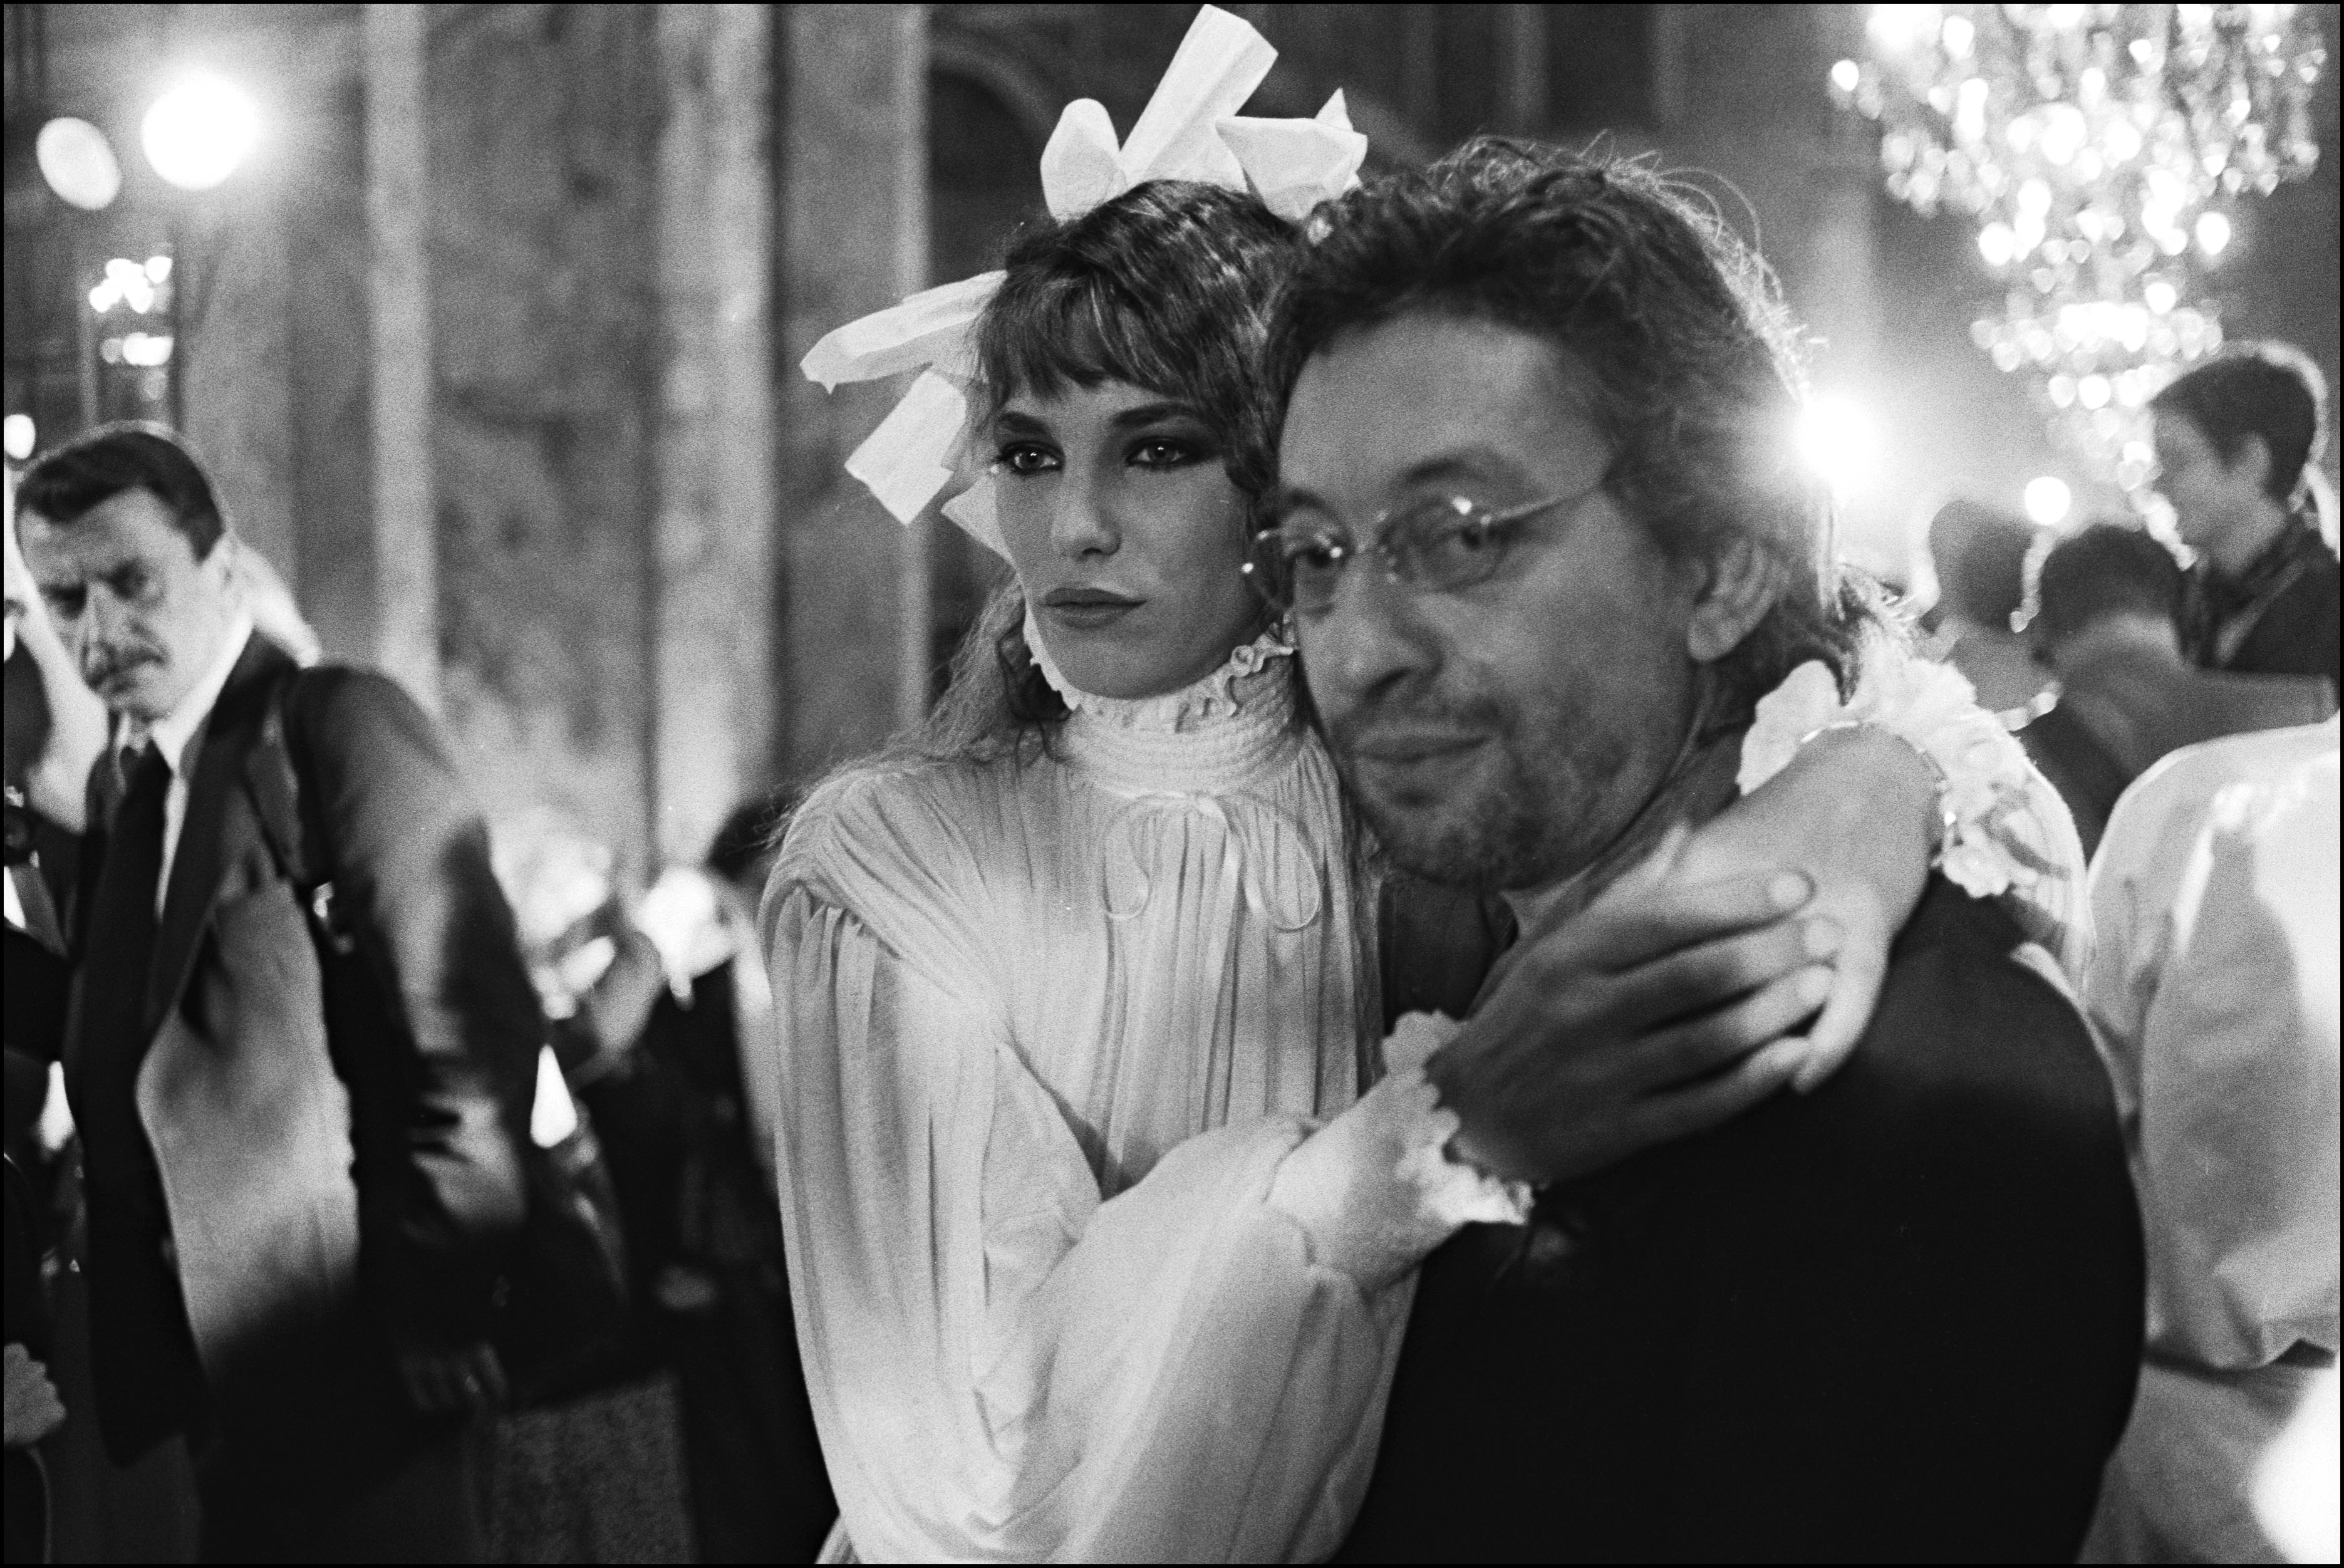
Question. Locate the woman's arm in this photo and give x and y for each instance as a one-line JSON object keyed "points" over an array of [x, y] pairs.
{"points": [[1855, 810], [1004, 1367], [1866, 796]]}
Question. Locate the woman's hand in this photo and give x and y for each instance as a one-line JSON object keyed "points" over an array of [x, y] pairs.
{"points": [[1856, 811], [1637, 1022]]}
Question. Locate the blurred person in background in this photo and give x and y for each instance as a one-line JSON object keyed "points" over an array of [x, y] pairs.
{"points": [[1979, 555], [591, 1469], [2106, 623], [299, 1212], [2239, 444], [747, 1412], [652, 1007], [33, 1408], [2213, 990]]}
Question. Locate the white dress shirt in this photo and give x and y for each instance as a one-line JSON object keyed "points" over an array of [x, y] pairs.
{"points": [[172, 734], [2213, 995]]}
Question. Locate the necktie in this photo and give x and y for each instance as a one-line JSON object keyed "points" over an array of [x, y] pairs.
{"points": [[144, 1358], [114, 968]]}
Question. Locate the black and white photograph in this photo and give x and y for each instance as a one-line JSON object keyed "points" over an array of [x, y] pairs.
{"points": [[1285, 783]]}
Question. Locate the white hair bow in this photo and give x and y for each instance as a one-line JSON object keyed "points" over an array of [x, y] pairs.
{"points": [[1189, 130]]}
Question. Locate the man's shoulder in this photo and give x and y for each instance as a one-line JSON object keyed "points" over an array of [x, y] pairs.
{"points": [[1976, 1035], [352, 719]]}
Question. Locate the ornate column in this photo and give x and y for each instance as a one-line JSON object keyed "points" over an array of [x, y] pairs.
{"points": [[711, 561], [852, 238], [399, 312]]}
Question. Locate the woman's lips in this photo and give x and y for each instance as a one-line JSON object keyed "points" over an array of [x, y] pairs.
{"points": [[1088, 609]]}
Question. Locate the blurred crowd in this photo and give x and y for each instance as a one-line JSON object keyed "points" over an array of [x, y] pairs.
{"points": [[582, 1349]]}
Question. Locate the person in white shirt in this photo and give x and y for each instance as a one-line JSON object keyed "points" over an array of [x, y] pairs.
{"points": [[2213, 992]]}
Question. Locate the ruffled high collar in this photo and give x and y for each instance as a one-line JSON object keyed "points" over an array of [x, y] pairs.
{"points": [[1213, 735]]}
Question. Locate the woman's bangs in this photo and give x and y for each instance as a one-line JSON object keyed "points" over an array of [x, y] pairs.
{"points": [[1072, 333]]}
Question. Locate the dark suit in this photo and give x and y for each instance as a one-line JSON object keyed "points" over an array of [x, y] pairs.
{"points": [[1895, 1318], [2124, 707], [2277, 617], [251, 1273]]}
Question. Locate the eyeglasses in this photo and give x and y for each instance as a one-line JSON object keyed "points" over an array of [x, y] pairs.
{"points": [[1440, 546]]}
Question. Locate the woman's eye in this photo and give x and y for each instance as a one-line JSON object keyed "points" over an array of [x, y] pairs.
{"points": [[1162, 453], [1025, 457]]}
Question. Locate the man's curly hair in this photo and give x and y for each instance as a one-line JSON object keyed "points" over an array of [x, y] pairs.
{"points": [[1672, 327]]}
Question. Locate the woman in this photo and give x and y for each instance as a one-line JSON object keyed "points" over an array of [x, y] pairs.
{"points": [[1065, 985]]}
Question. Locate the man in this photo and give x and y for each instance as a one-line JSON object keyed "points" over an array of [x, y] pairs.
{"points": [[1979, 555], [294, 1236], [2239, 442], [1548, 543], [2106, 624], [2214, 988]]}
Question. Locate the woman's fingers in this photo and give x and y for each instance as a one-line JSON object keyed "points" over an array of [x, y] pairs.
{"points": [[1710, 975], [1710, 1102], [1860, 971], [1631, 926], [1701, 1047]]}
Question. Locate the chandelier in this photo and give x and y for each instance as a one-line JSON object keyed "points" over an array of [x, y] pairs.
{"points": [[2100, 151]]}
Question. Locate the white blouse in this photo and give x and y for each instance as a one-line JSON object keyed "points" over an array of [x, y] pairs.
{"points": [[1048, 1029]]}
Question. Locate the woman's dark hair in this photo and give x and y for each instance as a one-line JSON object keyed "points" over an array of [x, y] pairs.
{"points": [[2265, 389], [1690, 364], [1168, 288], [93, 469]]}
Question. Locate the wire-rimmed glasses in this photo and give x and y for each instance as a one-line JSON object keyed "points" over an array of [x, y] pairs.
{"points": [[1440, 544]]}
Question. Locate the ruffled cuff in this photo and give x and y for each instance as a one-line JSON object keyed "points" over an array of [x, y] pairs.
{"points": [[1373, 1190], [1448, 1190], [1983, 777]]}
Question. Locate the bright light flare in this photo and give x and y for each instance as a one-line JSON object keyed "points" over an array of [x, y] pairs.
{"points": [[78, 163], [2213, 234], [199, 132], [1846, 74], [2048, 500], [18, 437], [1838, 440]]}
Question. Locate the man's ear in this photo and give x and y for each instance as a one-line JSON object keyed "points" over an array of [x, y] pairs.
{"points": [[1742, 581], [220, 565]]}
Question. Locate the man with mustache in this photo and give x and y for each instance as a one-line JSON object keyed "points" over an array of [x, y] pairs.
{"points": [[299, 1211], [1548, 541]]}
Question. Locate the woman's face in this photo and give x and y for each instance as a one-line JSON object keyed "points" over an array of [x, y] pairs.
{"points": [[1126, 536]]}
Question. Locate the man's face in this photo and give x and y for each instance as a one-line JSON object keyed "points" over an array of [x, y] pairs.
{"points": [[142, 616], [1503, 734], [2209, 496]]}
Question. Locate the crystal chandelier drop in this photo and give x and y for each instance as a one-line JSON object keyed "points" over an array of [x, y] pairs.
{"points": [[2101, 151]]}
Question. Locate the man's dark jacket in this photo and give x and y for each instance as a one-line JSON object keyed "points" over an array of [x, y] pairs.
{"points": [[1899, 1318], [292, 1213], [2277, 617]]}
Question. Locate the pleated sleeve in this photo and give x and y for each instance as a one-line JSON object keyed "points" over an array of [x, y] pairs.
{"points": [[1004, 1367]]}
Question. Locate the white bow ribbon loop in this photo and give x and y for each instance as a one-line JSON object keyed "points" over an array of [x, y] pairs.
{"points": [[1190, 130]]}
